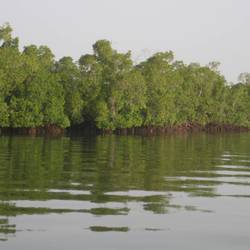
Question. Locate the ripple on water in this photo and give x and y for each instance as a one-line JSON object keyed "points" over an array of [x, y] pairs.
{"points": [[109, 184]]}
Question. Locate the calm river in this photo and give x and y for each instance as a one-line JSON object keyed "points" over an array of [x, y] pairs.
{"points": [[120, 192]]}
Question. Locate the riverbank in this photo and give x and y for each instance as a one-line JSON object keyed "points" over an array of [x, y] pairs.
{"points": [[180, 129], [39, 131], [52, 130]]}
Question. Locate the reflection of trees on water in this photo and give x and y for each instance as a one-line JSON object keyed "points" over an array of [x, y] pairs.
{"points": [[110, 169], [6, 229]]}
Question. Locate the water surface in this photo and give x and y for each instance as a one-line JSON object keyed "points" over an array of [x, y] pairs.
{"points": [[120, 192]]}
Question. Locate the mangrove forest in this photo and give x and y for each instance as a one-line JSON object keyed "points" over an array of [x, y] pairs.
{"points": [[109, 91]]}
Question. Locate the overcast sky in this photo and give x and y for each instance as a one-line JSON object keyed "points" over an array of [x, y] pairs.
{"points": [[195, 30]]}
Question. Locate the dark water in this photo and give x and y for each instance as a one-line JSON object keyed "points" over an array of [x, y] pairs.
{"points": [[110, 192]]}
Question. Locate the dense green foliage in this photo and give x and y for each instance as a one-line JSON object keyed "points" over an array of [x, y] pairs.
{"points": [[106, 89]]}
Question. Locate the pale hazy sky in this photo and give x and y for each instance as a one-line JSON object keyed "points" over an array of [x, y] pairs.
{"points": [[196, 30]]}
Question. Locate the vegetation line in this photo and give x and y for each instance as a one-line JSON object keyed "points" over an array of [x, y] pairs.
{"points": [[108, 90]]}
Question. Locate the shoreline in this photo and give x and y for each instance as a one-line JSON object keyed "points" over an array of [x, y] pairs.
{"points": [[188, 128]]}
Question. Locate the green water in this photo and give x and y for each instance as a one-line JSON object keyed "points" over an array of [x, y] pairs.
{"points": [[116, 192]]}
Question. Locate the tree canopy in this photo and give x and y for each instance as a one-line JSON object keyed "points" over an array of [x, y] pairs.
{"points": [[107, 89]]}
